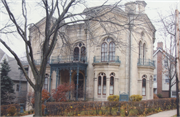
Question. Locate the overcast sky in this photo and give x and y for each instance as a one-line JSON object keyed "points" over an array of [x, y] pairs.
{"points": [[152, 9]]}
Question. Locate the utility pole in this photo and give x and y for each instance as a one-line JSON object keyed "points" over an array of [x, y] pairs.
{"points": [[177, 57]]}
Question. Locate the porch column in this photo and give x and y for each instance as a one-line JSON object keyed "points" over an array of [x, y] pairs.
{"points": [[57, 76], [70, 82], [50, 80], [85, 83], [77, 83]]}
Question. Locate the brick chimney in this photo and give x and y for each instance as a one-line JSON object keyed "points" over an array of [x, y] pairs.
{"points": [[160, 45]]}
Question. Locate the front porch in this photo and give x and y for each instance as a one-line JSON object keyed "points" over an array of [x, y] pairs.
{"points": [[70, 69]]}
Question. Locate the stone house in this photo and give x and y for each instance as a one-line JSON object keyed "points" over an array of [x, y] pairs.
{"points": [[161, 73], [102, 59]]}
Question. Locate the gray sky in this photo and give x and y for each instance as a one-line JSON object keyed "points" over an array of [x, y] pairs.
{"points": [[153, 6]]}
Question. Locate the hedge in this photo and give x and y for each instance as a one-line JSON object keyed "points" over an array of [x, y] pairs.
{"points": [[4, 108], [110, 108]]}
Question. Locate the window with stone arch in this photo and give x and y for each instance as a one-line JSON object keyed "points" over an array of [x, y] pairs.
{"points": [[140, 44], [46, 82], [79, 53], [111, 91], [108, 50], [144, 52], [144, 85], [101, 83]]}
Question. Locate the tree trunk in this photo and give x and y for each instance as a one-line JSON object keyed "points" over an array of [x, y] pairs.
{"points": [[169, 88], [38, 107]]}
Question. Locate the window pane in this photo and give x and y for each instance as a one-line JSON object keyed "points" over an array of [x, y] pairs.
{"points": [[99, 80], [111, 51], [144, 83], [104, 52], [76, 54], [143, 91], [112, 81], [111, 90], [104, 89], [99, 89]]}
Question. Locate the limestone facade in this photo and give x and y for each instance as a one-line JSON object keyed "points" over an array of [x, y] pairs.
{"points": [[117, 57]]}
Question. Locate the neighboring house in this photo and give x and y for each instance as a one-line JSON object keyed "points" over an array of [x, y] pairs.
{"points": [[20, 82], [161, 74], [103, 64]]}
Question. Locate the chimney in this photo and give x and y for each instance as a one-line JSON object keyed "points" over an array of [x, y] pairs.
{"points": [[160, 45], [136, 7]]}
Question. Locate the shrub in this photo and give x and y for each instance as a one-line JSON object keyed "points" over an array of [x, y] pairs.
{"points": [[155, 96], [133, 112], [5, 107], [59, 94], [135, 97], [11, 110], [113, 98], [159, 95]]}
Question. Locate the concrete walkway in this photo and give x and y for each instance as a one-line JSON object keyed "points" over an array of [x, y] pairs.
{"points": [[168, 113]]}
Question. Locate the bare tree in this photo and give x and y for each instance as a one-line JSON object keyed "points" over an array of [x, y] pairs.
{"points": [[52, 32], [168, 35]]}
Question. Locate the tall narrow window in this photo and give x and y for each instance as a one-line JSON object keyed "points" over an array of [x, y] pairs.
{"points": [[144, 53], [46, 82], [83, 54], [143, 86], [99, 85], [76, 54], [104, 52], [104, 85], [112, 51], [139, 49], [111, 85]]}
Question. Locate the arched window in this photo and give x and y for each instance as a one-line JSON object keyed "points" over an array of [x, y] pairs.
{"points": [[99, 85], [83, 54], [144, 85], [79, 52], [111, 92], [108, 50], [104, 85], [112, 51], [104, 52], [102, 80], [46, 82], [140, 49], [144, 52], [76, 54]]}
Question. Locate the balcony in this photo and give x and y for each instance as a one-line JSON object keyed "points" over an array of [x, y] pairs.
{"points": [[145, 62], [106, 59], [67, 59]]}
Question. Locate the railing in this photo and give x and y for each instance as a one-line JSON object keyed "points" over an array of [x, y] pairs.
{"points": [[105, 59], [145, 62], [67, 59]]}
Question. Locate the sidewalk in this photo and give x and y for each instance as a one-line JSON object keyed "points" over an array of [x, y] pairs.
{"points": [[168, 113]]}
